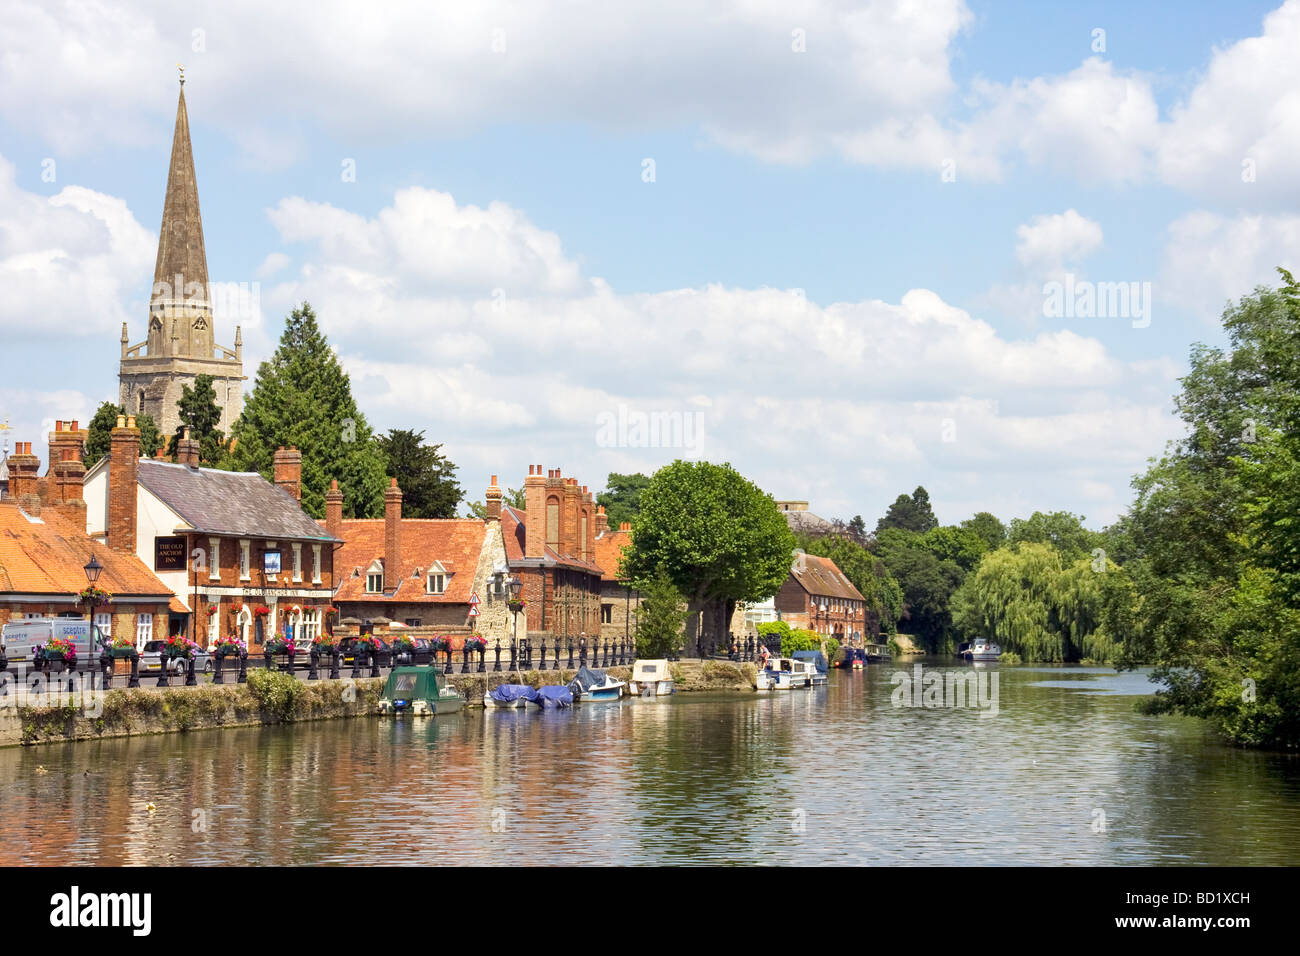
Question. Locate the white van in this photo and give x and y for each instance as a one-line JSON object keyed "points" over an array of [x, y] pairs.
{"points": [[19, 638]]}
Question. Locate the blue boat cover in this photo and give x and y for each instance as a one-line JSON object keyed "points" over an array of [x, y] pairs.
{"points": [[554, 696], [588, 677], [508, 693], [816, 656]]}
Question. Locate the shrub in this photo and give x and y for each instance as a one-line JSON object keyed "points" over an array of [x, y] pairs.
{"points": [[276, 693]]}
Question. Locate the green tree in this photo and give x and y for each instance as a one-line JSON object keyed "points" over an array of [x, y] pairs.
{"points": [[98, 434], [512, 497], [928, 584], [718, 536], [1213, 533], [910, 512], [200, 413], [660, 618], [427, 478], [1061, 529], [880, 592], [303, 398], [962, 546], [992, 531], [622, 496]]}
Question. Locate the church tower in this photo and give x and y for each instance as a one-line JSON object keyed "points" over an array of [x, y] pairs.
{"points": [[181, 342]]}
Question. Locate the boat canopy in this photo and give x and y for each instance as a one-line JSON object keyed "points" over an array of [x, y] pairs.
{"points": [[587, 678], [554, 696], [647, 670], [508, 693], [413, 683], [813, 657]]}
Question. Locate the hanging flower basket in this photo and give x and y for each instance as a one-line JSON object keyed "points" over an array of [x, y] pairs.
{"points": [[179, 648], [229, 647], [58, 649], [279, 646], [96, 597], [366, 640], [440, 644], [516, 605], [213, 609], [403, 643], [235, 609], [261, 610], [476, 643], [325, 643]]}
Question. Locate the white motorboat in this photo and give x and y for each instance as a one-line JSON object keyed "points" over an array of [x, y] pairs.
{"points": [[980, 649], [651, 678]]}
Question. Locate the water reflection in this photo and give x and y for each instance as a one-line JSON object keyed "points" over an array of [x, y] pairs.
{"points": [[1067, 772]]}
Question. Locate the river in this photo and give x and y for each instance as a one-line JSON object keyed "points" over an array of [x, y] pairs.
{"points": [[1065, 772]]}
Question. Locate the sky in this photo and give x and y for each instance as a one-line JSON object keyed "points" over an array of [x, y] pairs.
{"points": [[850, 248]]}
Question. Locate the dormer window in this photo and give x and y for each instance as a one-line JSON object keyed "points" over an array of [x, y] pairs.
{"points": [[435, 581], [375, 578]]}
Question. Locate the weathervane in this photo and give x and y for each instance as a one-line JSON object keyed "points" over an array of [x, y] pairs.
{"points": [[182, 69]]}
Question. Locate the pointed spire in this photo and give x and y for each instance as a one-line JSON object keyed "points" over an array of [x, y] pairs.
{"points": [[180, 240]]}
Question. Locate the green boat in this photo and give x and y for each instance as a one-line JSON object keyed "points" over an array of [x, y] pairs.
{"points": [[419, 690]]}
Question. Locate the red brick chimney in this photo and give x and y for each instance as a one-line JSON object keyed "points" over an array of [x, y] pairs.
{"points": [[69, 481], [67, 436], [535, 503], [288, 471], [625, 526], [392, 534], [123, 468], [602, 520], [187, 451], [23, 466], [334, 511], [493, 499]]}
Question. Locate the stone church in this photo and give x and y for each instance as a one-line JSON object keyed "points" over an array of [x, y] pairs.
{"points": [[181, 343]]}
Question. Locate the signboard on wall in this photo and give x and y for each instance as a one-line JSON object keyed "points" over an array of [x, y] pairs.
{"points": [[169, 554]]}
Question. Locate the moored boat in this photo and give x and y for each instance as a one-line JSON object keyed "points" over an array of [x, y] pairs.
{"points": [[553, 697], [816, 662], [651, 678], [592, 684], [510, 696], [421, 691], [980, 649]]}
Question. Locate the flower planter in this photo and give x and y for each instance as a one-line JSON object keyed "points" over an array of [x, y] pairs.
{"points": [[121, 653]]}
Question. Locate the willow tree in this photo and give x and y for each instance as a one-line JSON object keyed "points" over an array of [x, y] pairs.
{"points": [[718, 537]]}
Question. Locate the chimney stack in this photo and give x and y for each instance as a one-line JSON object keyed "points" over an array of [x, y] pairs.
{"points": [[334, 510], [493, 499], [23, 466], [288, 471], [123, 469], [602, 520], [535, 503], [392, 534], [625, 526], [187, 451], [67, 436]]}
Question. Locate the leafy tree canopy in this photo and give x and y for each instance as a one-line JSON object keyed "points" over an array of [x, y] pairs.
{"points": [[427, 478], [98, 437], [910, 513], [200, 413], [622, 496], [660, 618], [303, 398], [1061, 529]]}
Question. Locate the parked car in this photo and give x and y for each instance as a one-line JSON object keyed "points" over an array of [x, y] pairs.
{"points": [[151, 660]]}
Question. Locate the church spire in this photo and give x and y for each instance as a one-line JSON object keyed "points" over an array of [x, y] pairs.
{"points": [[180, 240]]}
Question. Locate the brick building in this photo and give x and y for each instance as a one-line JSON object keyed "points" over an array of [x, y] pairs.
{"points": [[420, 573], [227, 541], [551, 548], [818, 597], [618, 600], [44, 549]]}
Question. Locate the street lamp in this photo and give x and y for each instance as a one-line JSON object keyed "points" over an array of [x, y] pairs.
{"points": [[92, 569], [516, 588]]}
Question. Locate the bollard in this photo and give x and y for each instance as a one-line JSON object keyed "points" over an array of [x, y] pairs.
{"points": [[374, 663], [497, 651], [243, 667], [570, 642], [357, 651], [219, 659], [556, 665], [334, 662], [134, 679], [314, 657], [190, 679], [464, 660], [482, 659], [542, 666], [163, 661]]}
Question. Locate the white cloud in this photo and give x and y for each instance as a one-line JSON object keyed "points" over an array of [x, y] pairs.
{"points": [[1211, 260], [1051, 242]]}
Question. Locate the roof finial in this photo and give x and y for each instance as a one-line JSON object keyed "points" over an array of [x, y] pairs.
{"points": [[182, 69]]}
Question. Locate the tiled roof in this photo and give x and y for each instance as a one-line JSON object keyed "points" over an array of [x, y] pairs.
{"points": [[229, 502], [514, 526], [806, 521], [47, 555], [455, 543], [609, 548], [822, 577]]}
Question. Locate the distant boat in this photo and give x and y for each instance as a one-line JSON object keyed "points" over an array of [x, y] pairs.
{"points": [[851, 658], [510, 696], [980, 649], [592, 684], [651, 678], [421, 691], [783, 673], [816, 664]]}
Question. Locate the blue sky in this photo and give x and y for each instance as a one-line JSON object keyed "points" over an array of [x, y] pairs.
{"points": [[917, 352]]}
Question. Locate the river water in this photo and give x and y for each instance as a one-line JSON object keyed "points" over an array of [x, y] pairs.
{"points": [[1065, 772]]}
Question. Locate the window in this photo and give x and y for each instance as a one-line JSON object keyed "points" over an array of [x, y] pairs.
{"points": [[297, 562], [607, 614], [214, 559], [374, 582], [553, 523], [104, 624], [582, 542], [437, 584], [309, 629], [143, 630], [214, 626], [315, 564], [412, 622], [244, 558]]}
